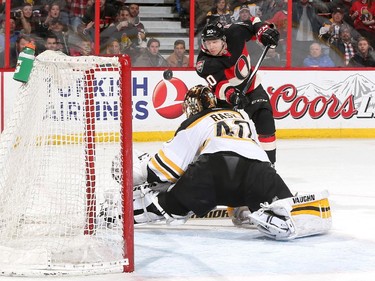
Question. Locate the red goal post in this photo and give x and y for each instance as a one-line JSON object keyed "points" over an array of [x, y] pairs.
{"points": [[61, 210]]}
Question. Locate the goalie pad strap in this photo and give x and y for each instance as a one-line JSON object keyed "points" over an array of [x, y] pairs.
{"points": [[294, 217]]}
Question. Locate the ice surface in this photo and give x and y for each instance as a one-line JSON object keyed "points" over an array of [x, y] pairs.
{"points": [[200, 250]]}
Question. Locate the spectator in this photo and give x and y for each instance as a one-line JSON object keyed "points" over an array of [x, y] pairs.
{"points": [[365, 57], [280, 20], [344, 5], [63, 9], [113, 47], [61, 31], [178, 7], [15, 50], [14, 34], [202, 7], [306, 25], [272, 58], [84, 48], [178, 57], [363, 14], [118, 4], [124, 31], [184, 11], [244, 13], [24, 18], [329, 32], [53, 15], [51, 42], [237, 6], [219, 13], [269, 8], [151, 56], [343, 49], [316, 58], [135, 19], [18, 4], [76, 9], [107, 16]]}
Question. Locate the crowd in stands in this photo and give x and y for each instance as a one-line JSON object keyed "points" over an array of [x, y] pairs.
{"points": [[69, 26], [325, 33]]}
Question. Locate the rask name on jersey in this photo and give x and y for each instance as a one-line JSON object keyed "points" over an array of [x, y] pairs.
{"points": [[224, 115]]}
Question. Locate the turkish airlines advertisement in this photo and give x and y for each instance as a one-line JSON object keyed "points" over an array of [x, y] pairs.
{"points": [[300, 99]]}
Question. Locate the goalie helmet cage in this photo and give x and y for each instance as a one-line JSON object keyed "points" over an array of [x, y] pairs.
{"points": [[61, 211]]}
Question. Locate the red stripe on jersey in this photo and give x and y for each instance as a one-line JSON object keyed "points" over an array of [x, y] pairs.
{"points": [[218, 87], [267, 138]]}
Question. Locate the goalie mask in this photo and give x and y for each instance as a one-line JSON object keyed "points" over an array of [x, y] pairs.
{"points": [[198, 98]]}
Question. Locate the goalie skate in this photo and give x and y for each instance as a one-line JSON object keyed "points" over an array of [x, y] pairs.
{"points": [[110, 211], [241, 217]]}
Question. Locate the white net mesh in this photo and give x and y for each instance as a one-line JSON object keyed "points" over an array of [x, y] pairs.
{"points": [[60, 208]]}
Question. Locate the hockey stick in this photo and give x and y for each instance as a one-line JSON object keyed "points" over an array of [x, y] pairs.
{"points": [[255, 70], [218, 213]]}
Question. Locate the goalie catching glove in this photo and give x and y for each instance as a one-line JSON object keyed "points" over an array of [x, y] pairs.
{"points": [[294, 217], [268, 35]]}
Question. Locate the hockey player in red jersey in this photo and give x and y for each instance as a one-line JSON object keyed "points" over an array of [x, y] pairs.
{"points": [[224, 62], [213, 159]]}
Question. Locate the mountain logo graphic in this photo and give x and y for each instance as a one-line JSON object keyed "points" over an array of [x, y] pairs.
{"points": [[355, 85]]}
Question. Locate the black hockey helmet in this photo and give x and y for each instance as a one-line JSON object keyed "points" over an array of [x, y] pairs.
{"points": [[198, 98], [213, 32]]}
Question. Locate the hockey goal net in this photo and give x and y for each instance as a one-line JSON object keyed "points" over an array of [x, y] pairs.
{"points": [[61, 210]]}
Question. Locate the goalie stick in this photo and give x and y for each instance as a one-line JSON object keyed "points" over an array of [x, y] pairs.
{"points": [[218, 213]]}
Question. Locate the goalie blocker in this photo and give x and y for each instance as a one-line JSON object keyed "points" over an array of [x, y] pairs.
{"points": [[294, 217]]}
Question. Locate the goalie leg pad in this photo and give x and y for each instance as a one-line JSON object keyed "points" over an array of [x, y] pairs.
{"points": [[294, 217]]}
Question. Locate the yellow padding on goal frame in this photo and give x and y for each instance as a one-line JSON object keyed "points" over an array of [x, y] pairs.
{"points": [[318, 208], [102, 137]]}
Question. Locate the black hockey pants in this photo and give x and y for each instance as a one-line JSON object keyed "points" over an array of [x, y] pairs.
{"points": [[223, 178]]}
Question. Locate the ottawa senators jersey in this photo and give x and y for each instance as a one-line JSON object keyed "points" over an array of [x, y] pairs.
{"points": [[210, 131], [233, 67]]}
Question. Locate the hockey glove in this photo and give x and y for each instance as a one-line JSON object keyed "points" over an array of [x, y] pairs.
{"points": [[268, 36], [238, 100]]}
